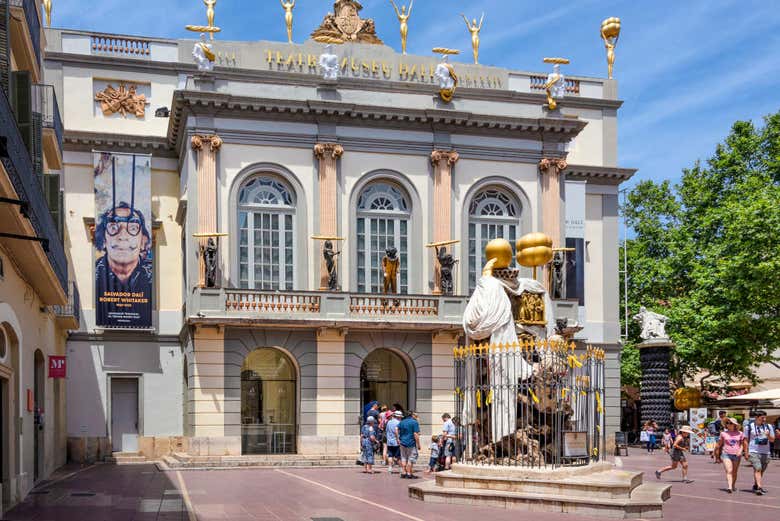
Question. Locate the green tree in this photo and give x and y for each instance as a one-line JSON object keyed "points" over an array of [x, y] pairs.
{"points": [[706, 252]]}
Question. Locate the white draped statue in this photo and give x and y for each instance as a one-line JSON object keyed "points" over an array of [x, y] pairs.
{"points": [[488, 315], [203, 54], [329, 64], [557, 82]]}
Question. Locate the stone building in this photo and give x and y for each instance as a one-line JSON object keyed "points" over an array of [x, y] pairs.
{"points": [[38, 304], [264, 150]]}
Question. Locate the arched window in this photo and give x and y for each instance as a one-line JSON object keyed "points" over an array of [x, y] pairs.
{"points": [[383, 213], [266, 228], [493, 213], [384, 378], [268, 403]]}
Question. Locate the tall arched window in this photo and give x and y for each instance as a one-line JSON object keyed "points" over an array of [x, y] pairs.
{"points": [[266, 227], [383, 214], [384, 378], [493, 213]]}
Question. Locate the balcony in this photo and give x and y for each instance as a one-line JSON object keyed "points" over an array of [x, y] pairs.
{"points": [[44, 102], [43, 260], [69, 315], [26, 35], [325, 308]]}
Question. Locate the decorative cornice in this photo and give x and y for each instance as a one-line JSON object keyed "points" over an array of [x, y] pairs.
{"points": [[198, 140], [333, 149], [603, 175], [451, 156], [74, 140], [552, 165]]}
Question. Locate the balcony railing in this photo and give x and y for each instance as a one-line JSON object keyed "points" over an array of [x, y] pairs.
{"points": [[20, 169], [45, 103], [120, 46], [72, 310], [242, 304], [33, 23], [572, 86]]}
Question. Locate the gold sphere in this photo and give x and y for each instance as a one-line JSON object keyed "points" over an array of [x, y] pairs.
{"points": [[534, 249], [610, 28], [501, 250]]}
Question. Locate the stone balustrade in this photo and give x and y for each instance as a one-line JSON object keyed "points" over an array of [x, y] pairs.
{"points": [[120, 46], [412, 306], [572, 85], [271, 301]]}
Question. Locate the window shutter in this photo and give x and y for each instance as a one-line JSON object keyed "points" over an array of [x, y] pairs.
{"points": [[22, 104], [51, 189]]}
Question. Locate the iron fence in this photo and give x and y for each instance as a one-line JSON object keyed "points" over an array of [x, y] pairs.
{"points": [[535, 403]]}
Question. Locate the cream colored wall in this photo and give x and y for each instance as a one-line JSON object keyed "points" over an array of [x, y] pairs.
{"points": [[21, 309], [80, 205], [587, 148], [594, 259], [81, 111]]}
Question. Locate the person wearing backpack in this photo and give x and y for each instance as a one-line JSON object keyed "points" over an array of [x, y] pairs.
{"points": [[760, 436]]}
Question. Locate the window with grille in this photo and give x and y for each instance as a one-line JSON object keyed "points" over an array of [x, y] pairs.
{"points": [[383, 214], [266, 229]]}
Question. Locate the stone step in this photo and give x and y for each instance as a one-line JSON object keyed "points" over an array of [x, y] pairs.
{"points": [[608, 485], [126, 458], [187, 461], [646, 500]]}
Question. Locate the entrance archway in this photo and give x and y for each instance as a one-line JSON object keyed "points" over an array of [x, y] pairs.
{"points": [[39, 398], [384, 377], [268, 403]]}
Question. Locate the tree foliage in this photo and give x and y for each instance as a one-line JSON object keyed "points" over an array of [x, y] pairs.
{"points": [[706, 252]]}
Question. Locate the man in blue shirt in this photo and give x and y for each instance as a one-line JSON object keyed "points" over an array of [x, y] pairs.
{"points": [[393, 447], [448, 437], [409, 437], [760, 436]]}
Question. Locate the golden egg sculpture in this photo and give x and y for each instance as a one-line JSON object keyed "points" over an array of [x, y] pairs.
{"points": [[501, 250], [534, 249]]}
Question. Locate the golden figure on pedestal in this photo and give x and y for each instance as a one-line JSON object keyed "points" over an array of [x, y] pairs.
{"points": [[403, 19], [47, 8], [288, 17], [474, 29], [610, 32], [210, 28]]}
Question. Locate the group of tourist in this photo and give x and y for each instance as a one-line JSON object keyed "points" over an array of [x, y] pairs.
{"points": [[395, 434], [751, 440]]}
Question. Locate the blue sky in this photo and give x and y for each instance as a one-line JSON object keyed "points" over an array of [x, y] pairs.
{"points": [[686, 69]]}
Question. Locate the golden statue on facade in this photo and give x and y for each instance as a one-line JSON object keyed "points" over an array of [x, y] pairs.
{"points": [[390, 265], [47, 9], [610, 32], [210, 28], [403, 19], [288, 17], [474, 29]]}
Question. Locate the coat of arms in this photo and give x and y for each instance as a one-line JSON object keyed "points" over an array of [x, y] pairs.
{"points": [[345, 24]]}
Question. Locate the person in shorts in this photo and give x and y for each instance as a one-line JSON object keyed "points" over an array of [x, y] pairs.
{"points": [[435, 448], [730, 448], [393, 446], [760, 436], [449, 435], [409, 439], [680, 446]]}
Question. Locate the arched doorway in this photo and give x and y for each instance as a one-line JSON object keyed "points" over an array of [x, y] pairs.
{"points": [[384, 377], [268, 403], [39, 398], [9, 411]]}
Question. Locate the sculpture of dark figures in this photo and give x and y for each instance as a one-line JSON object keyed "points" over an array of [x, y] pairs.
{"points": [[446, 264], [330, 264], [390, 263], [210, 262], [558, 275]]}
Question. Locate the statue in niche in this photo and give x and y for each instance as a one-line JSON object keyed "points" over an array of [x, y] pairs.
{"points": [[329, 64], [446, 264], [203, 54], [653, 324], [329, 254], [390, 264], [558, 275], [210, 262]]}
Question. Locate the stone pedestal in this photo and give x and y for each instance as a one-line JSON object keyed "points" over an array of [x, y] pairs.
{"points": [[654, 389]]}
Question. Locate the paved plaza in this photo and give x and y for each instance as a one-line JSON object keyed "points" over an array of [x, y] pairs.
{"points": [[142, 492]]}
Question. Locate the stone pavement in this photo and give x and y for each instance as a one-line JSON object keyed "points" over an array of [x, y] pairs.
{"points": [[141, 492]]}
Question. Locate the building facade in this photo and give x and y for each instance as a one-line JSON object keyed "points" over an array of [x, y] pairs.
{"points": [[38, 301], [253, 347]]}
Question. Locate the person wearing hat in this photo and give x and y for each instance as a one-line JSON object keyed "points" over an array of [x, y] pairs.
{"points": [[732, 445], [680, 446], [367, 441], [393, 445], [759, 435]]}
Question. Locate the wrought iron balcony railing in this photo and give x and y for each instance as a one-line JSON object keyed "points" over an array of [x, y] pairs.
{"points": [[45, 103], [71, 310]]}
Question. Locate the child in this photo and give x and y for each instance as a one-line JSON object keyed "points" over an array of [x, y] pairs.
{"points": [[667, 440], [435, 448]]}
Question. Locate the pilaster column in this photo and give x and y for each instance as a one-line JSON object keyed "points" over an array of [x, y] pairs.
{"points": [[207, 147], [443, 161], [328, 155], [550, 169]]}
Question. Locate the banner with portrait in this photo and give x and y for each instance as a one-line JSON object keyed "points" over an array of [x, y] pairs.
{"points": [[123, 240]]}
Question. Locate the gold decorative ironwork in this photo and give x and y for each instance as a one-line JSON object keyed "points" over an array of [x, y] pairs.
{"points": [[610, 32], [403, 21], [210, 28], [123, 100], [474, 29], [288, 17], [345, 23]]}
